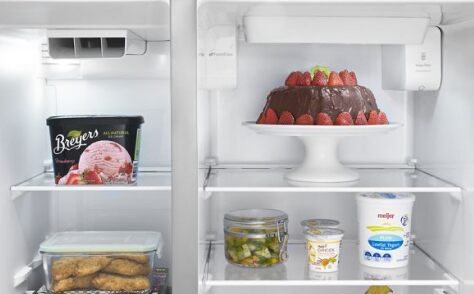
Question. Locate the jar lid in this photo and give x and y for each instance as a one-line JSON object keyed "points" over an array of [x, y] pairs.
{"points": [[324, 233], [384, 197], [320, 223], [257, 216]]}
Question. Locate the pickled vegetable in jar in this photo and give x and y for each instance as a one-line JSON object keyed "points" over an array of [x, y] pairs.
{"points": [[256, 237]]}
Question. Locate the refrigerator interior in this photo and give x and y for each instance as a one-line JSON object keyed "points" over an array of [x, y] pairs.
{"points": [[430, 155], [36, 86]]}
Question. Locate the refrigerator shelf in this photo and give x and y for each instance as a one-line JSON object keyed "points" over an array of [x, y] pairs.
{"points": [[44, 182], [371, 180], [422, 271]]}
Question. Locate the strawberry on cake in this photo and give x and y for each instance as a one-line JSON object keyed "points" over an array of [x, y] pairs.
{"points": [[322, 97]]}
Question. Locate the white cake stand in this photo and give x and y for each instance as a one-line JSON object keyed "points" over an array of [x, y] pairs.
{"points": [[321, 163]]}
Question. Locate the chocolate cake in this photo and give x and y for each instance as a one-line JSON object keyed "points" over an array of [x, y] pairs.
{"points": [[322, 98], [315, 99]]}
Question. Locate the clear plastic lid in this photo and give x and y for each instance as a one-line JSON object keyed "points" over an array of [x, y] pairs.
{"points": [[101, 242], [324, 233], [259, 216], [383, 197], [320, 223]]}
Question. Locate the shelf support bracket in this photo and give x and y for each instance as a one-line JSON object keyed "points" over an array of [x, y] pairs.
{"points": [[25, 272]]}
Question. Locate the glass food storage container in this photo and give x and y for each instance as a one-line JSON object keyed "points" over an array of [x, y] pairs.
{"points": [[256, 237], [88, 262]]}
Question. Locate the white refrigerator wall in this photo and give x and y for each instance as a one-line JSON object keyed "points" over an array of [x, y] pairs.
{"points": [[444, 146], [263, 67], [133, 85], [25, 220]]}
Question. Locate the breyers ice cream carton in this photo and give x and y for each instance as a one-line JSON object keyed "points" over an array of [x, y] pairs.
{"points": [[95, 149]]}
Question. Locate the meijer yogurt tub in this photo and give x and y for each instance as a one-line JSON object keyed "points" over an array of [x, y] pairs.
{"points": [[384, 228]]}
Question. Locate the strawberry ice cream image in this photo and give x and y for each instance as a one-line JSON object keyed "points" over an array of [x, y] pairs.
{"points": [[107, 159]]}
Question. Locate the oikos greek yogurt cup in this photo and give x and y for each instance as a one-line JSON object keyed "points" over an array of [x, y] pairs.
{"points": [[384, 228], [323, 248]]}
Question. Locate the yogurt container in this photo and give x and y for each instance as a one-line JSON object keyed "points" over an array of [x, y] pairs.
{"points": [[384, 228], [323, 248], [95, 149], [315, 223]]}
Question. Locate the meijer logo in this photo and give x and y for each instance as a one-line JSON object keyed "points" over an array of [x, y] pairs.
{"points": [[75, 140], [385, 215]]}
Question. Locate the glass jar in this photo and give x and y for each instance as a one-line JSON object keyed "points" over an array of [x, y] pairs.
{"points": [[256, 237]]}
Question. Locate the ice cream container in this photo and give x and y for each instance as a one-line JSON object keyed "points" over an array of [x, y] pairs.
{"points": [[95, 149], [323, 249], [319, 223], [100, 261], [384, 228]]}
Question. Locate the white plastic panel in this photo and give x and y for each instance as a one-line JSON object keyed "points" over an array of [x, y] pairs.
{"points": [[25, 222], [213, 12], [148, 18], [444, 144], [335, 30]]}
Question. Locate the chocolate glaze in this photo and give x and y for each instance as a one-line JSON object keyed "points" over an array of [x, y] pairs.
{"points": [[314, 99]]}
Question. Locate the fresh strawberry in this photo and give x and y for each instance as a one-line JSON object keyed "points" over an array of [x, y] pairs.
{"points": [[346, 78], [344, 119], [292, 79], [335, 80], [126, 168], [286, 118], [305, 79], [382, 119], [261, 118], [319, 79], [73, 179], [271, 117], [361, 119], [91, 177], [305, 119], [353, 76], [73, 167], [323, 119], [373, 118]]}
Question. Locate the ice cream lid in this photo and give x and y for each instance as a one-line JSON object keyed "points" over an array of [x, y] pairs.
{"points": [[383, 197], [324, 233], [105, 119], [103, 241], [318, 223]]}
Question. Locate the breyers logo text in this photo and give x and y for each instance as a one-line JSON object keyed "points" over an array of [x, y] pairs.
{"points": [[70, 143]]}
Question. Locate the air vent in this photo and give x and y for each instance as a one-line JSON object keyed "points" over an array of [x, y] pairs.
{"points": [[94, 44]]}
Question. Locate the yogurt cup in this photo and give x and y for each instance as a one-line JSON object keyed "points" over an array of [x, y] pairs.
{"points": [[315, 223], [323, 249], [384, 228]]}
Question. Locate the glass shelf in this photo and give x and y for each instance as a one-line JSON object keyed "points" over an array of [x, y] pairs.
{"points": [[422, 271]]}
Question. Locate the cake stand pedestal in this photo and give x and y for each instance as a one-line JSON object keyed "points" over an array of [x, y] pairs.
{"points": [[321, 163]]}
